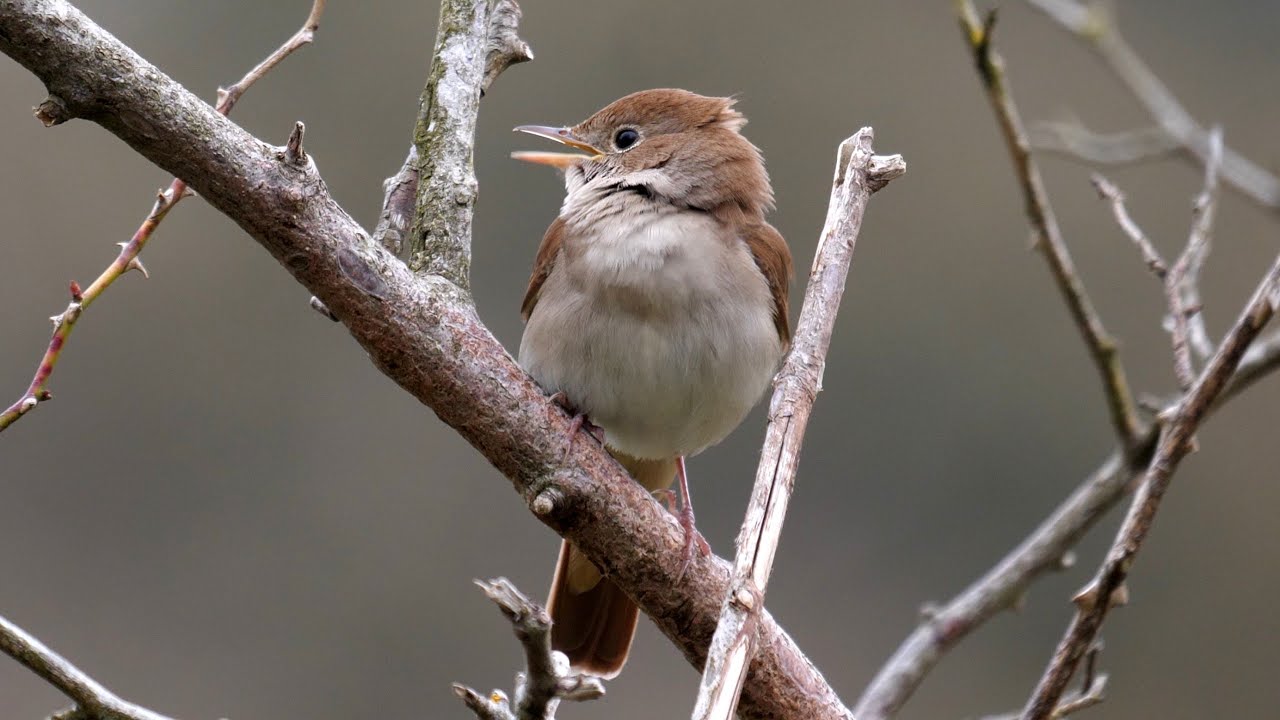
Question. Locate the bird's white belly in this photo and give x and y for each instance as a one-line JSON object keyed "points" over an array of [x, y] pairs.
{"points": [[666, 342]]}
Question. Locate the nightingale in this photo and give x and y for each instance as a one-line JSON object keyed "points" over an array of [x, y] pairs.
{"points": [[657, 309]]}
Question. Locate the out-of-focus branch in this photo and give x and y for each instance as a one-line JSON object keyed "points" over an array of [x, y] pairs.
{"points": [[1174, 444], [52, 112], [476, 40], [421, 330], [858, 174], [1095, 25], [546, 679], [1102, 348], [1049, 546], [92, 700], [1072, 139], [1046, 549]]}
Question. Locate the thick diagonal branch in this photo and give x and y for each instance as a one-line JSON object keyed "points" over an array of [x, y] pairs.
{"points": [[421, 331]]}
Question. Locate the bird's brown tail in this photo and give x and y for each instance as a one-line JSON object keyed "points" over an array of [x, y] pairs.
{"points": [[593, 621]]}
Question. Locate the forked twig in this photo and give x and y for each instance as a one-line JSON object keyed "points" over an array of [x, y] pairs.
{"points": [[1102, 348], [1094, 603], [546, 679]]}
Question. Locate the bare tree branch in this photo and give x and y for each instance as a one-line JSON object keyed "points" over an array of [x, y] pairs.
{"points": [[1174, 444], [470, 52], [52, 112], [1102, 348], [92, 700], [1198, 244], [1123, 148], [1095, 25], [1046, 549], [546, 679], [421, 330], [858, 174]]}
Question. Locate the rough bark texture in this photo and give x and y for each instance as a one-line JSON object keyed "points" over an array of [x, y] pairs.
{"points": [[422, 332]]}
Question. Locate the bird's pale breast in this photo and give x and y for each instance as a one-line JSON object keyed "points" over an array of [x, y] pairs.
{"points": [[657, 326]]}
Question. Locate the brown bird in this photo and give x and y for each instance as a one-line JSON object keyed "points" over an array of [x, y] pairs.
{"points": [[657, 308]]}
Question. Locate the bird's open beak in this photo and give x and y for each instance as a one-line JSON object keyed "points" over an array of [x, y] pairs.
{"points": [[558, 160]]}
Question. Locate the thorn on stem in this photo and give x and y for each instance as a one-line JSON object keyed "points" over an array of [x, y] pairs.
{"points": [[136, 264]]}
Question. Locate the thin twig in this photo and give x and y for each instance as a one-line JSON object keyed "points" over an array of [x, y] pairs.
{"points": [[546, 679], [476, 39], [1187, 271], [1172, 281], [1095, 25], [1180, 282], [1102, 348], [93, 701], [1046, 549], [858, 174], [1108, 191], [1122, 148], [228, 97], [1174, 444], [52, 113]]}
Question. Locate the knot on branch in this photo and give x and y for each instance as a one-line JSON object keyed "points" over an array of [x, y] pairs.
{"points": [[53, 111]]}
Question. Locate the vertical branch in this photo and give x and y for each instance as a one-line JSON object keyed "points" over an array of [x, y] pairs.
{"points": [[471, 32], [858, 174], [1102, 348]]}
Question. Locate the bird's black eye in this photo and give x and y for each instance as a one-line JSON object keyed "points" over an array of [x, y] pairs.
{"points": [[625, 138]]}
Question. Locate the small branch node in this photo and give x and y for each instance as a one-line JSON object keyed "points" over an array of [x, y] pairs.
{"points": [[547, 502], [318, 305], [53, 111], [293, 152]]}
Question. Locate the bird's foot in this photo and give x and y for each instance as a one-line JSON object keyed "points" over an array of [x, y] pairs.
{"points": [[579, 422], [692, 538]]}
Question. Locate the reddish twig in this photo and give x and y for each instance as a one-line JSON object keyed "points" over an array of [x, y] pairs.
{"points": [[38, 390]]}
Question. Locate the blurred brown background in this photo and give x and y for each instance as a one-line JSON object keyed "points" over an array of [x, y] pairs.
{"points": [[228, 512]]}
